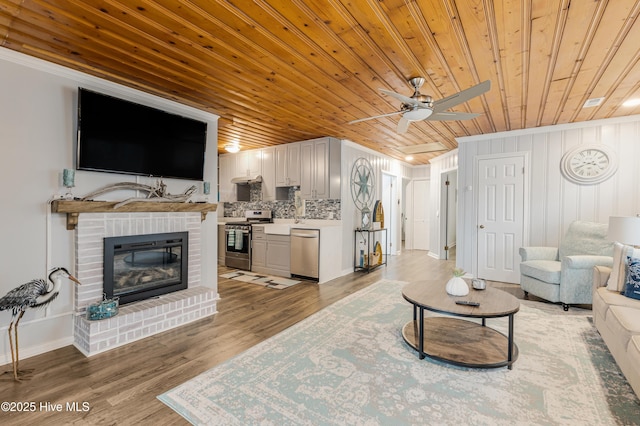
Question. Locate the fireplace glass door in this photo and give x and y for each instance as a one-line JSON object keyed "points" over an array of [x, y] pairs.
{"points": [[142, 266]]}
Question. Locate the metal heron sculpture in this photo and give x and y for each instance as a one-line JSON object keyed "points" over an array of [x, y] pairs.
{"points": [[34, 294]]}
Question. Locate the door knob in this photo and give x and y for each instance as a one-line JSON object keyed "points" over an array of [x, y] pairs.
{"points": [[481, 226]]}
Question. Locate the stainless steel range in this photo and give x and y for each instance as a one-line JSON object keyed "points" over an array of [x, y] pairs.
{"points": [[238, 238]]}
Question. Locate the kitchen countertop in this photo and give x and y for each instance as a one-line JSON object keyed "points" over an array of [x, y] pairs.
{"points": [[276, 228], [225, 220], [284, 226], [307, 223]]}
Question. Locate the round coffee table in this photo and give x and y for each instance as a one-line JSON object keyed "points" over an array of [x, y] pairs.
{"points": [[460, 341]]}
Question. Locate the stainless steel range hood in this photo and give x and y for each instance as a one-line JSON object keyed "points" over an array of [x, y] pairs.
{"points": [[246, 180]]}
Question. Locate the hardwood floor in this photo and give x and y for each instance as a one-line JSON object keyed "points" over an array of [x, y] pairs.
{"points": [[120, 386]]}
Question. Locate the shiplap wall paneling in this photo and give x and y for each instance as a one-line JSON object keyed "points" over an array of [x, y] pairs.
{"points": [[554, 202], [350, 214]]}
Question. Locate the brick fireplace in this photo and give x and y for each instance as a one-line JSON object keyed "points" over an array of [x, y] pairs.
{"points": [[143, 318]]}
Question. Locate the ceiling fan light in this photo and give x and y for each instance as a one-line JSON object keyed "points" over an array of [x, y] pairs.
{"points": [[232, 148], [417, 114]]}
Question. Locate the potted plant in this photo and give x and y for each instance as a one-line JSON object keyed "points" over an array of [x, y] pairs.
{"points": [[457, 286]]}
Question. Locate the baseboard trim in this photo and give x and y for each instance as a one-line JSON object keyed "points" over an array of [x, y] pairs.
{"points": [[38, 350]]}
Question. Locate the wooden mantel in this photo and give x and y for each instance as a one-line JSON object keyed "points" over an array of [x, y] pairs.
{"points": [[73, 208]]}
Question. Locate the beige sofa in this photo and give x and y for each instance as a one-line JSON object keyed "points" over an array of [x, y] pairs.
{"points": [[617, 319]]}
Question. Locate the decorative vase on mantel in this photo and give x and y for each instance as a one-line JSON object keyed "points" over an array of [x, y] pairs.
{"points": [[457, 286]]}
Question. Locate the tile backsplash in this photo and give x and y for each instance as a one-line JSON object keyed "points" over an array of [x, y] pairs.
{"points": [[283, 209]]}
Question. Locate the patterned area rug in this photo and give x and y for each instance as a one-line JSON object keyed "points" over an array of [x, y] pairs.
{"points": [[261, 279], [349, 365]]}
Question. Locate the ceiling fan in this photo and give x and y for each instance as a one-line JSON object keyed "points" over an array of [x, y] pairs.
{"points": [[420, 107]]}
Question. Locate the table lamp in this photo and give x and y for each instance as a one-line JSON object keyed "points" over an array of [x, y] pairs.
{"points": [[625, 230]]}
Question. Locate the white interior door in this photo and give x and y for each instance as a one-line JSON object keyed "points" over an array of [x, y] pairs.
{"points": [[408, 216], [390, 204], [404, 210], [420, 214], [448, 212], [500, 217]]}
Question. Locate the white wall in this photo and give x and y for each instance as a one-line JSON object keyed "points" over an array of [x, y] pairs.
{"points": [[421, 171], [37, 134], [554, 201], [350, 214]]}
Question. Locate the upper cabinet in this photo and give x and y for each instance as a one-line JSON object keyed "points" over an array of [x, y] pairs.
{"points": [[320, 169], [313, 165], [268, 174], [288, 164], [248, 163]]}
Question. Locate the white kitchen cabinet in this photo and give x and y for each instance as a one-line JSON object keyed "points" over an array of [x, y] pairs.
{"points": [[270, 253], [320, 169], [279, 254], [268, 174], [248, 163], [288, 165], [226, 172], [312, 165], [258, 249]]}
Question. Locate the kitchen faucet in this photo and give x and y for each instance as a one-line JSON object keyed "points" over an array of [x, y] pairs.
{"points": [[296, 219]]}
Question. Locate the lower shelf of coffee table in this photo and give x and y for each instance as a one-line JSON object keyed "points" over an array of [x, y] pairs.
{"points": [[461, 342]]}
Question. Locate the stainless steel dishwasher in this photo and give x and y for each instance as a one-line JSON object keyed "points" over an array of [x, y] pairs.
{"points": [[305, 252]]}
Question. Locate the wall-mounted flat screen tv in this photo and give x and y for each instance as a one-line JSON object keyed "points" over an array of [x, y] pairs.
{"points": [[119, 136]]}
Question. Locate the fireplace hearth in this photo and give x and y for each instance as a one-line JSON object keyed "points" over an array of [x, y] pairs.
{"points": [[148, 317], [140, 267]]}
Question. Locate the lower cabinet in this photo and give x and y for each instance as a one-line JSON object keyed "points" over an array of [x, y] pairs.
{"points": [[258, 248], [279, 254], [270, 253], [258, 254]]}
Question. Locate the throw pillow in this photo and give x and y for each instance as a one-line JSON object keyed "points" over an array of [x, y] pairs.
{"points": [[618, 270], [632, 284]]}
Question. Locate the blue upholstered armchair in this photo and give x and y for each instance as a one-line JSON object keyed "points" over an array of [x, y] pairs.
{"points": [[565, 274]]}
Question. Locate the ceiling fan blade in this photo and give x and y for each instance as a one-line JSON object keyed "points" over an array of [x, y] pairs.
{"points": [[404, 99], [403, 125], [461, 97], [444, 116], [375, 116]]}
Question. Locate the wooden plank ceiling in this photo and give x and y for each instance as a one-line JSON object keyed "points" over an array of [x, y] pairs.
{"points": [[280, 71]]}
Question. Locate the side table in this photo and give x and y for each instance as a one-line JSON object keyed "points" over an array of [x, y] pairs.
{"points": [[364, 247]]}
